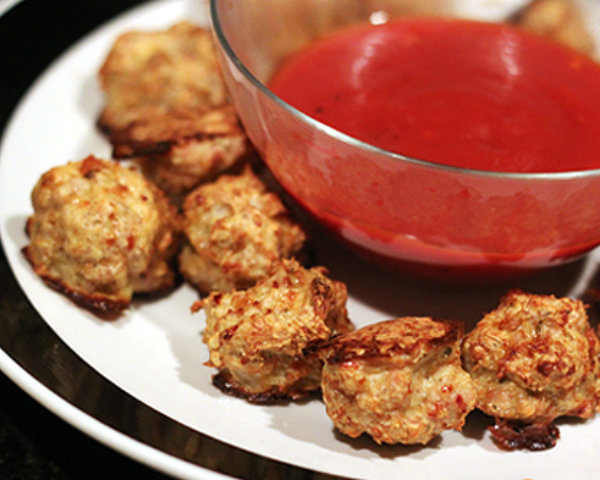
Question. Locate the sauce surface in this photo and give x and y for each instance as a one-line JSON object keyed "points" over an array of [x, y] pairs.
{"points": [[459, 93]]}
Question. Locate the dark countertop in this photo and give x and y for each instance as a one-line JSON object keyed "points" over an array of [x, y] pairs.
{"points": [[35, 444]]}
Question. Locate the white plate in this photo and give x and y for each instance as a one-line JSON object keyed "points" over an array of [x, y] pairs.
{"points": [[155, 353]]}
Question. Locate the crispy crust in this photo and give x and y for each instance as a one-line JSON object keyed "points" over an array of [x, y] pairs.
{"points": [[157, 136], [100, 232], [386, 340], [167, 106], [264, 341], [150, 74], [190, 162], [534, 358], [399, 381], [236, 232], [520, 436], [224, 382], [100, 305]]}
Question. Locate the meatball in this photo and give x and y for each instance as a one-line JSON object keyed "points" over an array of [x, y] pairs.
{"points": [[533, 359], [263, 340], [167, 106], [236, 231], [101, 232], [400, 381], [559, 20]]}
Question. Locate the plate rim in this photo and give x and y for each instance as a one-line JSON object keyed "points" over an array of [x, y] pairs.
{"points": [[106, 435]]}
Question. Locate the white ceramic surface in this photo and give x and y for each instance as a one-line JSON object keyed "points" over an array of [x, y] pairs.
{"points": [[155, 353]]}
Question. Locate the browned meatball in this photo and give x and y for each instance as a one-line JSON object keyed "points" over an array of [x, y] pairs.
{"points": [[559, 20], [101, 232], [236, 232], [534, 358], [166, 105], [263, 340], [399, 381]]}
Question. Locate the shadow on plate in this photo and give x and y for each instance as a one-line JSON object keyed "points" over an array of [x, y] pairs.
{"points": [[395, 294], [311, 424]]}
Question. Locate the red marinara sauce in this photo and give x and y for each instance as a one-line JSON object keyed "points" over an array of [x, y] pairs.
{"points": [[462, 93], [453, 92]]}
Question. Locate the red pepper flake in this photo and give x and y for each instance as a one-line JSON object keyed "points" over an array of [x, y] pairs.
{"points": [[230, 332], [90, 165], [47, 179], [546, 368], [435, 411], [196, 306], [130, 242]]}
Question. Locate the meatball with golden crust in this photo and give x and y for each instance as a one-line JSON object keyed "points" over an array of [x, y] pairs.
{"points": [[399, 381], [236, 231], [167, 106], [101, 232], [533, 359], [559, 20], [263, 340]]}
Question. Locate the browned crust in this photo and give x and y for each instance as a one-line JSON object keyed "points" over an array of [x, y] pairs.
{"points": [[90, 165], [28, 226], [222, 381], [161, 141], [364, 344], [99, 305], [510, 435], [124, 147], [163, 290]]}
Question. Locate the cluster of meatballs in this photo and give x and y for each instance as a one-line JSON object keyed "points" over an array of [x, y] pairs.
{"points": [[533, 359], [191, 205], [103, 231]]}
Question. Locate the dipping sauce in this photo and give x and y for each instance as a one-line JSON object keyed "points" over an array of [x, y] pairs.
{"points": [[462, 93], [484, 96]]}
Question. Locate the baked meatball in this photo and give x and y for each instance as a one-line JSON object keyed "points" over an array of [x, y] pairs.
{"points": [[263, 340], [400, 381], [236, 230], [533, 359], [559, 20], [166, 106], [101, 232]]}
